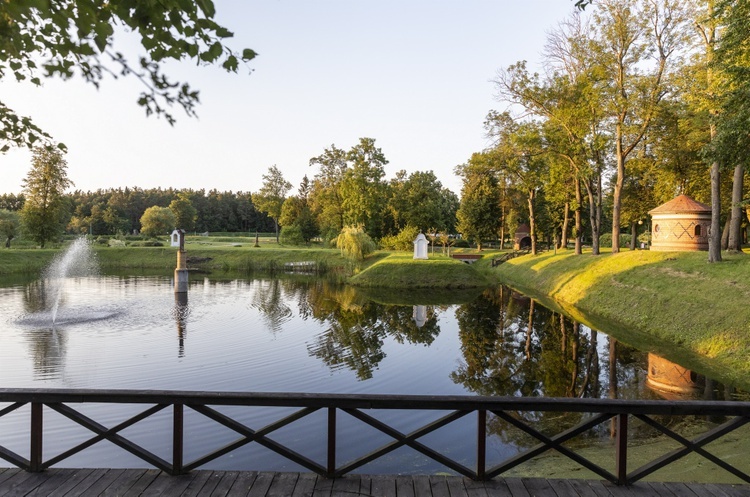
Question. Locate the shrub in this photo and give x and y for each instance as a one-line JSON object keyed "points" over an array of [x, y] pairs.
{"points": [[461, 243], [402, 241], [147, 243], [292, 235], [354, 243], [605, 240]]}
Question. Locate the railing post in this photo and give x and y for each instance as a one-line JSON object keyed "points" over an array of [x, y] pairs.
{"points": [[331, 463], [481, 443], [37, 430], [622, 449], [178, 431]]}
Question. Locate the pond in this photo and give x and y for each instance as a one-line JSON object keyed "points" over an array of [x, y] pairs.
{"points": [[306, 334]]}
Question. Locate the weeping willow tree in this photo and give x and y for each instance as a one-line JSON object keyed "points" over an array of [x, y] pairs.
{"points": [[354, 243]]}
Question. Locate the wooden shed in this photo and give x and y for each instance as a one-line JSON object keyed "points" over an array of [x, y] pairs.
{"points": [[680, 225]]}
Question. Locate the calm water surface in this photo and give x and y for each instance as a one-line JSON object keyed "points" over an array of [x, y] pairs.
{"points": [[306, 335]]}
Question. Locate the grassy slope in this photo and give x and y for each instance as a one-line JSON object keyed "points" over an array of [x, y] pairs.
{"points": [[675, 304]]}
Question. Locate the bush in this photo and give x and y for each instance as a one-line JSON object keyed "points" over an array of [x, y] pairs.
{"points": [[355, 243], [292, 235], [605, 240], [461, 243], [402, 241], [147, 243]]}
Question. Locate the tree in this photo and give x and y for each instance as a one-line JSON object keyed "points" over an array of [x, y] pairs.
{"points": [[40, 39], [363, 191], [43, 213], [479, 215], [420, 200], [354, 243], [9, 224], [157, 221], [325, 198], [184, 212], [270, 198]]}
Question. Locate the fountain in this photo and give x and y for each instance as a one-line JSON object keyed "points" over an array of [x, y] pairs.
{"points": [[78, 260]]}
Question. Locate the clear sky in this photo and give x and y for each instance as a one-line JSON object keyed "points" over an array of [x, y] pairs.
{"points": [[412, 74]]}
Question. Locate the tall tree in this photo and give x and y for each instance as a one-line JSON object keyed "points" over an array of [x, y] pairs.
{"points": [[363, 190], [630, 34], [41, 39], [325, 197], [270, 198], [43, 213], [184, 212], [479, 214]]}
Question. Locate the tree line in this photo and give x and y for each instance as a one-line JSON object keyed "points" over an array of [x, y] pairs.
{"points": [[640, 100]]}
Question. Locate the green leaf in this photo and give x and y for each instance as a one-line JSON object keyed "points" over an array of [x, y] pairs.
{"points": [[248, 54]]}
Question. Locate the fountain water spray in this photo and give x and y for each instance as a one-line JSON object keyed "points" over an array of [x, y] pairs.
{"points": [[77, 260]]}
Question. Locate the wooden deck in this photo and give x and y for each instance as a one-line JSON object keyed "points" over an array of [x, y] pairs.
{"points": [[135, 482]]}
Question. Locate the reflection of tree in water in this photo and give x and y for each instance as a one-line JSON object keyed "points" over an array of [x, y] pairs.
{"points": [[513, 346], [268, 300], [48, 349], [37, 296], [358, 328]]}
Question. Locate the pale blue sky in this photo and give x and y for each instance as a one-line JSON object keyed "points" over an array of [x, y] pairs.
{"points": [[413, 74]]}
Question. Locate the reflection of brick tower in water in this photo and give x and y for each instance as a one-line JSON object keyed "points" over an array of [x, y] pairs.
{"points": [[680, 225], [672, 381]]}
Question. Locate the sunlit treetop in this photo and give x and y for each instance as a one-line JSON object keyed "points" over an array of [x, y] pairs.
{"points": [[66, 38]]}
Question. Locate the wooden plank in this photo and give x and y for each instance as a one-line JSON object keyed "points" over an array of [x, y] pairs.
{"points": [[305, 485], [225, 484], [261, 484], [282, 485], [598, 487], [563, 488], [346, 486], [732, 490], [497, 486], [365, 485], [143, 482], [243, 483], [197, 483], [159, 485], [86, 482], [439, 486], [583, 488], [100, 485], [75, 476], [16, 479], [687, 490], [122, 483], [422, 486], [516, 487], [537, 486], [456, 486], [405, 486], [30, 484], [475, 488], [8, 473], [323, 487], [383, 486]]}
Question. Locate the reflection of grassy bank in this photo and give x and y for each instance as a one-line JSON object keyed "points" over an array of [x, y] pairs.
{"points": [[676, 304], [421, 296]]}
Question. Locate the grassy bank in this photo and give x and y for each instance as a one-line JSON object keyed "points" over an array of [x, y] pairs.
{"points": [[675, 304]]}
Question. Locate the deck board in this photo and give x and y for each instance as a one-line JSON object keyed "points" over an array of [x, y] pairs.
{"points": [[141, 482]]}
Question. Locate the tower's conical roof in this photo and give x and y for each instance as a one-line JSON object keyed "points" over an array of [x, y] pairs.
{"points": [[681, 203]]}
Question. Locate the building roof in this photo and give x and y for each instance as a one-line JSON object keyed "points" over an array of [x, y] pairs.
{"points": [[681, 203]]}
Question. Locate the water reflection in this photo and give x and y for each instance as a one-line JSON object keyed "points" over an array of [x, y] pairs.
{"points": [[180, 313]]}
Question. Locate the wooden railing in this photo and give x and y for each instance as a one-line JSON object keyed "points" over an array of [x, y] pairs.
{"points": [[598, 411]]}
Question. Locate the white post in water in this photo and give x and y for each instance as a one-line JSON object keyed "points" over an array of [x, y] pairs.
{"points": [[180, 272]]}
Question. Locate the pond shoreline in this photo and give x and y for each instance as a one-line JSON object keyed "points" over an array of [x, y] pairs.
{"points": [[675, 304]]}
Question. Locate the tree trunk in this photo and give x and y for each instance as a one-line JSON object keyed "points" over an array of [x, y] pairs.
{"points": [[532, 221], [579, 221], [725, 234], [564, 234], [276, 225], [617, 197], [633, 235], [735, 227]]}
